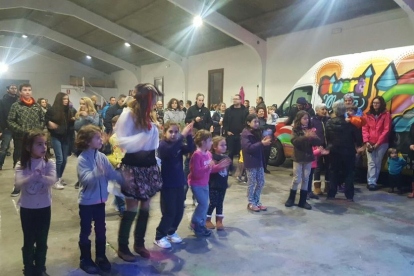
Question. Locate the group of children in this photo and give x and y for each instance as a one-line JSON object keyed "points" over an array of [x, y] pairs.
{"points": [[208, 179]]}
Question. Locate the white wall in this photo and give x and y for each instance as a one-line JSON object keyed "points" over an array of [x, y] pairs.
{"points": [[288, 58], [124, 81], [46, 75]]}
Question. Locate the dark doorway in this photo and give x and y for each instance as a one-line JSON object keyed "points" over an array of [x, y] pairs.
{"points": [[215, 86]]}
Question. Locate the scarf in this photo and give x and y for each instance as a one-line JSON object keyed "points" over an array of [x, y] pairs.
{"points": [[28, 103]]}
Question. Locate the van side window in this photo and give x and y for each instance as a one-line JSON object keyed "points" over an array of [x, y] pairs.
{"points": [[290, 100]]}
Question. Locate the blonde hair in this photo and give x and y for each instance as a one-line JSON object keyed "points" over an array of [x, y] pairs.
{"points": [[89, 104]]}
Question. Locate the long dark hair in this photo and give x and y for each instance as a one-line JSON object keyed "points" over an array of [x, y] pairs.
{"points": [[382, 107], [142, 105], [297, 125], [169, 106], [60, 111], [27, 144]]}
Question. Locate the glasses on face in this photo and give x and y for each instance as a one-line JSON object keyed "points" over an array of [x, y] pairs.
{"points": [[376, 103]]}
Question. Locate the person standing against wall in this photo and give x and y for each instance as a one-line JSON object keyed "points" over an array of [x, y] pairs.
{"points": [[199, 114], [6, 134], [24, 116], [234, 122]]}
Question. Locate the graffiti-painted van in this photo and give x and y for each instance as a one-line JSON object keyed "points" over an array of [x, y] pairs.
{"points": [[387, 73]]}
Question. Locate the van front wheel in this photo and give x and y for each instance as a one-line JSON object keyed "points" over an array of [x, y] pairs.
{"points": [[277, 155]]}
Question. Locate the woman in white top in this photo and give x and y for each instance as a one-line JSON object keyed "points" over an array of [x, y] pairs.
{"points": [[137, 134]]}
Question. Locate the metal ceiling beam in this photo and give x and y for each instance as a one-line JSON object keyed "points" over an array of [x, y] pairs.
{"points": [[408, 7], [70, 9], [22, 44], [28, 27], [230, 28]]}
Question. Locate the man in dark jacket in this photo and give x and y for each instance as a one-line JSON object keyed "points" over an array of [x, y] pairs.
{"points": [[301, 104], [342, 137], [199, 114], [234, 122], [5, 104], [112, 112]]}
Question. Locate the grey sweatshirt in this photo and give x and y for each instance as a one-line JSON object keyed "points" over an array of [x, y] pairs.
{"points": [[94, 172]]}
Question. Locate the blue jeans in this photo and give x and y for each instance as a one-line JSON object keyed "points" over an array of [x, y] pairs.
{"points": [[6, 138], [200, 213], [61, 149]]}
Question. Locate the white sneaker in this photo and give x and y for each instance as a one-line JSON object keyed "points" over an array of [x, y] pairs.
{"points": [[174, 238], [58, 186], [63, 182], [163, 243]]}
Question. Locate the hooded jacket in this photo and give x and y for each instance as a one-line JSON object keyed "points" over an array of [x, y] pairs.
{"points": [[235, 119], [194, 111], [303, 152], [93, 182], [342, 136], [252, 149], [376, 131], [5, 106]]}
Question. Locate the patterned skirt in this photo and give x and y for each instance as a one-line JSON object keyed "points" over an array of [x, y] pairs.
{"points": [[141, 183]]}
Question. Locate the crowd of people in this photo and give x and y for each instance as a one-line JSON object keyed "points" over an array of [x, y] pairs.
{"points": [[133, 148]]}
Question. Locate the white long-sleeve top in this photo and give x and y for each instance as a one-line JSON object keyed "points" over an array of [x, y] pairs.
{"points": [[132, 139], [35, 190]]}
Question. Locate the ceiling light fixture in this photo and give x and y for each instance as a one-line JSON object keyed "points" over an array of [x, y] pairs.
{"points": [[3, 67], [127, 44], [88, 57], [197, 21], [24, 36]]}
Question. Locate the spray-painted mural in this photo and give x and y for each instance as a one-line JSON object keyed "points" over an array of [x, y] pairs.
{"points": [[391, 79]]}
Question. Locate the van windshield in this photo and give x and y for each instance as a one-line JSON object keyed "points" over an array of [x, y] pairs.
{"points": [[290, 100]]}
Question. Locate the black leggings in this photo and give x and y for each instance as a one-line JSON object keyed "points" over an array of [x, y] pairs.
{"points": [[216, 201]]}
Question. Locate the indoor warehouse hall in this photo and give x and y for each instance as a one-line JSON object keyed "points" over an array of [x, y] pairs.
{"points": [[206, 137]]}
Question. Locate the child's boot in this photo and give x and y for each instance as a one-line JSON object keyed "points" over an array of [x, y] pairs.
{"points": [[291, 200], [123, 237], [101, 260], [86, 263], [219, 222], [209, 224], [40, 261], [302, 200], [139, 234], [411, 195], [28, 262], [317, 190]]}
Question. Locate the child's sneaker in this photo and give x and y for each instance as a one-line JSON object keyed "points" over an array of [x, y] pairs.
{"points": [[163, 243], [63, 182], [205, 231], [58, 185], [174, 238], [253, 208], [15, 192]]}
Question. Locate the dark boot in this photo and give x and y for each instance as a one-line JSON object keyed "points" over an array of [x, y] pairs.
{"points": [[28, 262], [291, 200], [139, 233], [123, 237], [86, 263], [101, 260], [40, 261], [302, 200]]}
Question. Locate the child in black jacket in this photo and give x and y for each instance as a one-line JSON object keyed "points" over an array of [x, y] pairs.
{"points": [[217, 185]]}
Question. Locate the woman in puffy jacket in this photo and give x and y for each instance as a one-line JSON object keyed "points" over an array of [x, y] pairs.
{"points": [[174, 113], [375, 135]]}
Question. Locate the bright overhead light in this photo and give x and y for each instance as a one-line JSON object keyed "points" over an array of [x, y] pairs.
{"points": [[88, 57], [127, 44], [24, 36], [3, 67], [197, 21]]}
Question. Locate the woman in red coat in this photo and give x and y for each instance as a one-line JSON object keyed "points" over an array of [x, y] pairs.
{"points": [[375, 134]]}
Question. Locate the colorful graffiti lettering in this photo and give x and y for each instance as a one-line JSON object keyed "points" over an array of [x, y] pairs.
{"points": [[331, 89]]}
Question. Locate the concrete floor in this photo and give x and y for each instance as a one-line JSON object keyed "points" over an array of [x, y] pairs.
{"points": [[373, 236]]}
